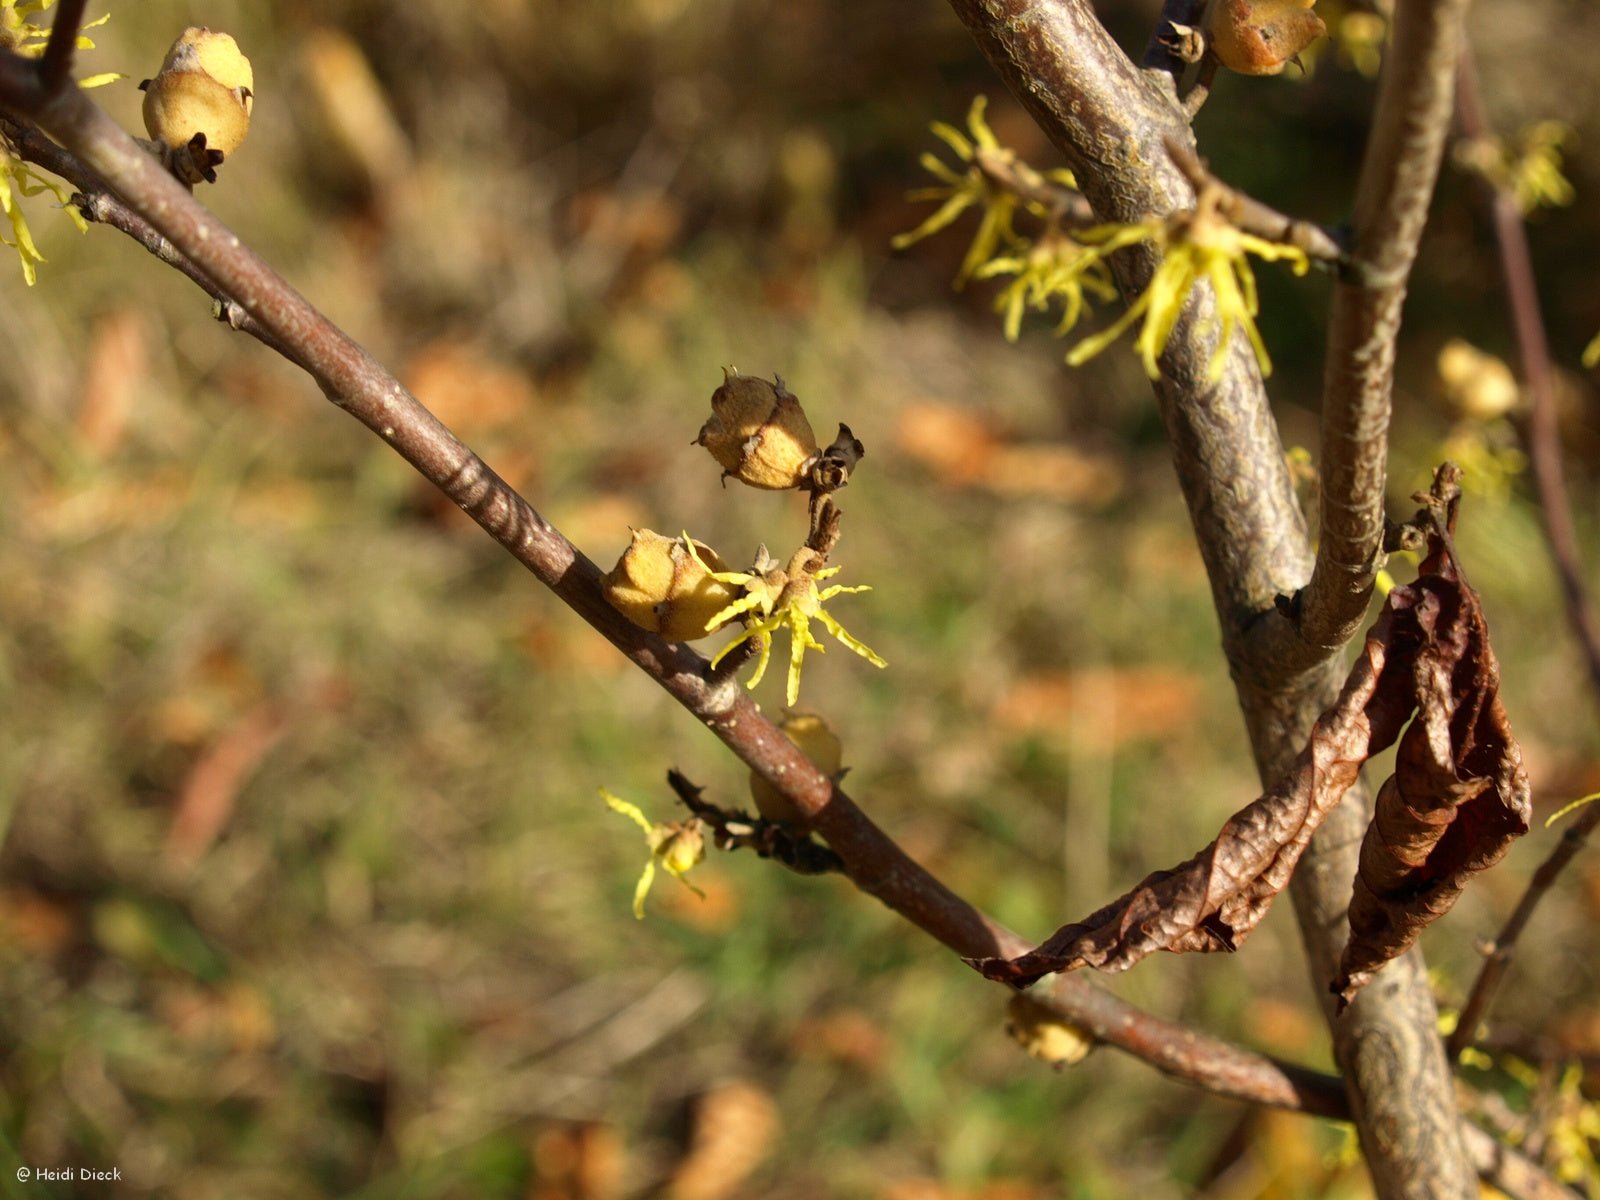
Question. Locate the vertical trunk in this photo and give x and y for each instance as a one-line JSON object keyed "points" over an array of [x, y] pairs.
{"points": [[1111, 121]]}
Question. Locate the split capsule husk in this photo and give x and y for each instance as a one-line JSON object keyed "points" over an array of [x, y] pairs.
{"points": [[818, 743], [759, 433], [658, 585]]}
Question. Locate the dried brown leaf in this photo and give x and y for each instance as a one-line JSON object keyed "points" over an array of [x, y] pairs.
{"points": [[1214, 900], [1460, 797]]}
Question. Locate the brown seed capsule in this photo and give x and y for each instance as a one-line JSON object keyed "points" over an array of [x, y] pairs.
{"points": [[658, 585], [205, 87], [1258, 37], [759, 433], [818, 743]]}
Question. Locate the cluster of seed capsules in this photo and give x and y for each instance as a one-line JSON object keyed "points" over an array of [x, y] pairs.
{"points": [[683, 590]]}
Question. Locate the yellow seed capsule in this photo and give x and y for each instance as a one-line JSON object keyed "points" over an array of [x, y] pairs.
{"points": [[658, 585], [1044, 1035], [818, 743], [205, 87], [1477, 386], [218, 56], [759, 433]]}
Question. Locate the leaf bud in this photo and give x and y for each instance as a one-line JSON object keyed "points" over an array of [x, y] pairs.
{"points": [[658, 585], [759, 433], [818, 743]]}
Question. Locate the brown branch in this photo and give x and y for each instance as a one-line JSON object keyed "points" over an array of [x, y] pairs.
{"points": [[362, 387], [1542, 434], [1544, 455], [876, 864], [94, 203], [1110, 121], [1497, 954], [1398, 172], [55, 65], [1245, 212]]}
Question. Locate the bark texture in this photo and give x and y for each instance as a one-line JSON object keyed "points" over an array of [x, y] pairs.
{"points": [[1111, 121]]}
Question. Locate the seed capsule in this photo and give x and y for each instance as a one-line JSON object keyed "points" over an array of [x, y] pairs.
{"points": [[1258, 37], [1045, 1035], [658, 585], [1477, 386], [818, 743], [204, 90], [759, 433]]}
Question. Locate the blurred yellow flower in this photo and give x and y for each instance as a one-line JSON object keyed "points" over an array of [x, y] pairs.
{"points": [[17, 178], [1198, 245], [678, 846], [981, 185]]}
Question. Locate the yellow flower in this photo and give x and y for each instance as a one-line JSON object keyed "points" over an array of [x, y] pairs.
{"points": [[1199, 245], [28, 38], [992, 170], [1591, 352], [17, 178], [775, 598], [1531, 171], [677, 846], [963, 191], [1054, 266]]}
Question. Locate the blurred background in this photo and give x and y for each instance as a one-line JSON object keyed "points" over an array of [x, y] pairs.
{"points": [[305, 885]]}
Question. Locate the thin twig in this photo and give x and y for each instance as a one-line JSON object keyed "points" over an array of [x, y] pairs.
{"points": [[875, 863], [1200, 91], [1543, 433], [1062, 204], [1245, 212], [1497, 954], [1398, 172]]}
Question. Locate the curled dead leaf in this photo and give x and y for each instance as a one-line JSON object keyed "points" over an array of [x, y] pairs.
{"points": [[1459, 797]]}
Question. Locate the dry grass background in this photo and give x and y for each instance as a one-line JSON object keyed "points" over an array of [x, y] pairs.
{"points": [[305, 888]]}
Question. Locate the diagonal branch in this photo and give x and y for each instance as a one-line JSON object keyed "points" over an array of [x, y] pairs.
{"points": [[352, 379], [1497, 955]]}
